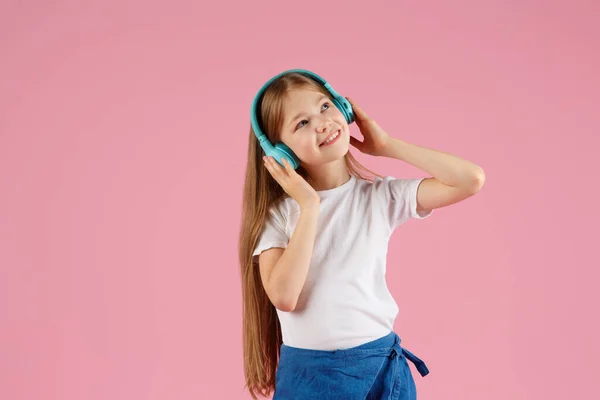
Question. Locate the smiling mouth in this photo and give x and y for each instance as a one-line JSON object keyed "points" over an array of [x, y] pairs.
{"points": [[331, 137]]}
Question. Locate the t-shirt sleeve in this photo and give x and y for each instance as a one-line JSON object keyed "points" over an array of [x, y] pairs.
{"points": [[400, 199], [273, 233]]}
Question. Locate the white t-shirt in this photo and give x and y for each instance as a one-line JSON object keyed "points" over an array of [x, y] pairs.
{"points": [[345, 301]]}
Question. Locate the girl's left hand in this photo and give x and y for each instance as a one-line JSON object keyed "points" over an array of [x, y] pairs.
{"points": [[374, 138]]}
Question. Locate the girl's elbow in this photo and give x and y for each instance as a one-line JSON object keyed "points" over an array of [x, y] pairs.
{"points": [[478, 179], [285, 304]]}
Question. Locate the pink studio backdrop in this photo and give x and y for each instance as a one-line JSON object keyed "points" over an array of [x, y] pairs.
{"points": [[123, 136]]}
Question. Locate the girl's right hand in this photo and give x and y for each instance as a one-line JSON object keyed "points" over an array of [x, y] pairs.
{"points": [[293, 184]]}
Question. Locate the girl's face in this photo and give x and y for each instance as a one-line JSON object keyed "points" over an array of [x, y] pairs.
{"points": [[309, 118]]}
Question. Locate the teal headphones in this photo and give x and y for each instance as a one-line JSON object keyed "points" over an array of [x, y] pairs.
{"points": [[280, 150]]}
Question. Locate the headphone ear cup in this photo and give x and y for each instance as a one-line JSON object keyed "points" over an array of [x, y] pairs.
{"points": [[345, 107], [283, 150]]}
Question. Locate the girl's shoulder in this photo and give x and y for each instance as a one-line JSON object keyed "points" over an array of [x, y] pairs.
{"points": [[284, 207]]}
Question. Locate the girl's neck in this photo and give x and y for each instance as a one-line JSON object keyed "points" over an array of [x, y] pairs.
{"points": [[325, 177]]}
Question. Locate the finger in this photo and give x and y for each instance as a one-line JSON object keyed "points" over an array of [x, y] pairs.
{"points": [[269, 166], [276, 170], [360, 113], [287, 166], [355, 142], [281, 168]]}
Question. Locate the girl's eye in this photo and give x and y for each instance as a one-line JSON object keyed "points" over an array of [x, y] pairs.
{"points": [[304, 120]]}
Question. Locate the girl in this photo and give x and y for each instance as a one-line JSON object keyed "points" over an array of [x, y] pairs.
{"points": [[317, 315]]}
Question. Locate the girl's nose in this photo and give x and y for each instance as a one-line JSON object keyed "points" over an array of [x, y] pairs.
{"points": [[325, 126]]}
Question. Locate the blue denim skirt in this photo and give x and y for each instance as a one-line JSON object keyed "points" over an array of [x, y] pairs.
{"points": [[374, 370]]}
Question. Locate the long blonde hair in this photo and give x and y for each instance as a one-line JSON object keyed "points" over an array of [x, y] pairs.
{"points": [[261, 330]]}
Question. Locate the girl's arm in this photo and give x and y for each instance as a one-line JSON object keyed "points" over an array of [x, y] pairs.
{"points": [[283, 272], [453, 178]]}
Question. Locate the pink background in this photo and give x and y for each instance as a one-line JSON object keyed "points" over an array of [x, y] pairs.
{"points": [[123, 132]]}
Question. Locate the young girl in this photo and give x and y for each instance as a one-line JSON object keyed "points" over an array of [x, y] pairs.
{"points": [[317, 315]]}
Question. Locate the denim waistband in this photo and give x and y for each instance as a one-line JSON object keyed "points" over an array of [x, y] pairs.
{"points": [[388, 345]]}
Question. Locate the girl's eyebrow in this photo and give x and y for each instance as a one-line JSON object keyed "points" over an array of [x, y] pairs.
{"points": [[300, 114]]}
